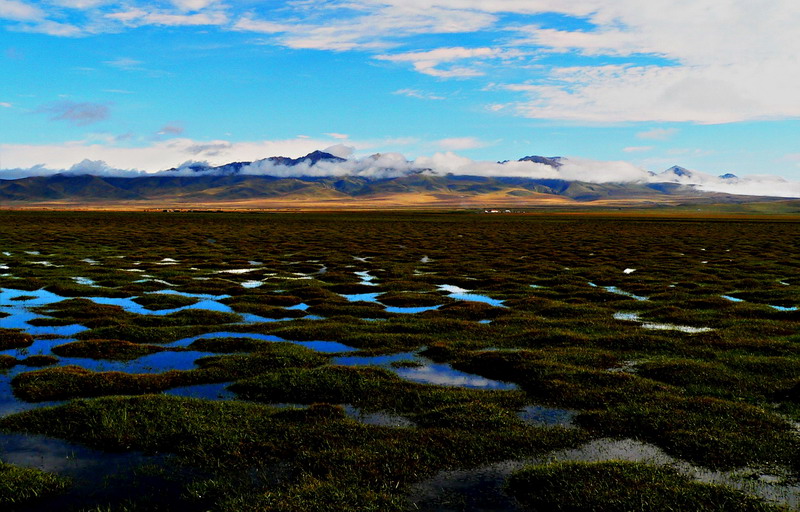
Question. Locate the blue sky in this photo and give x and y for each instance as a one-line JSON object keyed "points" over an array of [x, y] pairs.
{"points": [[706, 84]]}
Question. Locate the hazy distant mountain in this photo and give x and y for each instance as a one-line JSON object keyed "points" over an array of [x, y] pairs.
{"points": [[553, 161], [271, 180], [236, 167]]}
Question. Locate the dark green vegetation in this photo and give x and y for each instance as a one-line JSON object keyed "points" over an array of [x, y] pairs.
{"points": [[20, 487], [570, 334], [622, 487]]}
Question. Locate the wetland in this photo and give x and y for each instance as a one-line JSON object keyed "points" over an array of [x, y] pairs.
{"points": [[398, 361]]}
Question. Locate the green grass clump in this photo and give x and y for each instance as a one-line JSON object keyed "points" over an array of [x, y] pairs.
{"points": [[39, 360], [326, 458], [617, 486], [158, 301], [707, 431], [14, 338], [117, 350], [138, 334], [230, 345], [22, 487], [69, 382], [567, 377], [709, 379], [370, 388]]}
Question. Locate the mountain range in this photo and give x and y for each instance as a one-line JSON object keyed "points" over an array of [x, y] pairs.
{"points": [[315, 181]]}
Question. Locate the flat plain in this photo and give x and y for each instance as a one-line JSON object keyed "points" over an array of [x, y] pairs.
{"points": [[398, 361]]}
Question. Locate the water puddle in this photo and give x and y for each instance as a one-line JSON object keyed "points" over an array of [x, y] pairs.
{"points": [[445, 375], [45, 264], [458, 293], [130, 306], [748, 480], [216, 391], [85, 281], [482, 489], [635, 317], [158, 362], [732, 299], [424, 371], [362, 297], [96, 476], [320, 346], [547, 416], [779, 308], [236, 271], [18, 304], [410, 310], [379, 418], [366, 278], [615, 290]]}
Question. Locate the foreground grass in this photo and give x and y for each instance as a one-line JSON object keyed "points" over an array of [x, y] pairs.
{"points": [[623, 487], [331, 461], [593, 308], [22, 487]]}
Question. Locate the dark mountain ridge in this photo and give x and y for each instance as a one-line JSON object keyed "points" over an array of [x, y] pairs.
{"points": [[200, 183]]}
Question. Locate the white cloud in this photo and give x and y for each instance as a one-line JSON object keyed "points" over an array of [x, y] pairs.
{"points": [[124, 63], [53, 28], [594, 171], [427, 62], [109, 161], [414, 93], [19, 11], [637, 149], [140, 17], [77, 113], [171, 129], [340, 150], [704, 61], [192, 5], [725, 61], [368, 26], [80, 4], [247, 24], [158, 154], [339, 136], [5, 104]]}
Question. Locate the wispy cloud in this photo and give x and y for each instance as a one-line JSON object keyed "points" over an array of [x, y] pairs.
{"points": [[657, 133], [125, 63], [80, 114], [119, 161], [428, 62], [5, 104], [140, 17], [637, 149], [171, 129], [414, 93], [738, 65], [19, 11]]}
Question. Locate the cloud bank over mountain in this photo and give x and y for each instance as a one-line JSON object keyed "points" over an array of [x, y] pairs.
{"points": [[339, 161]]}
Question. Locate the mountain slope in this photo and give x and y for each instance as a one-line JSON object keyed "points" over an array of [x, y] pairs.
{"points": [[312, 178]]}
